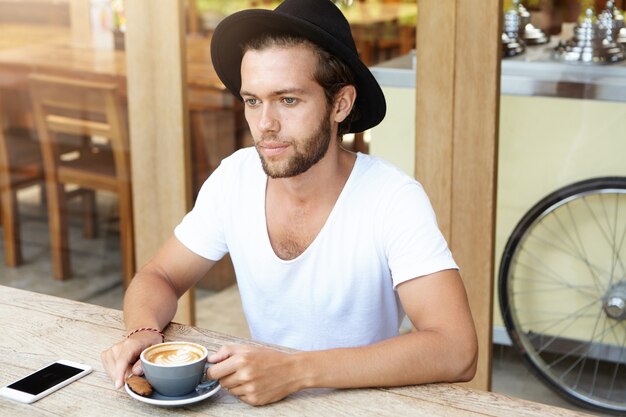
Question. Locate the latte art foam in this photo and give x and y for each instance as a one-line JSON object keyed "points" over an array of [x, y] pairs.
{"points": [[174, 355]]}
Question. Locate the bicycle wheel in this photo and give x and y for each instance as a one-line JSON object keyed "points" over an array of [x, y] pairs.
{"points": [[562, 288]]}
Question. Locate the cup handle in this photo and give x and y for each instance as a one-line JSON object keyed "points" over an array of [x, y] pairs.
{"points": [[206, 383]]}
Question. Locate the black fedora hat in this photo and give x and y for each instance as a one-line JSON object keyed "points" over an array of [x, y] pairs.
{"points": [[319, 21]]}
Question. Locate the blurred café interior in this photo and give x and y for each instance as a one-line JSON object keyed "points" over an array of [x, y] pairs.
{"points": [[511, 113]]}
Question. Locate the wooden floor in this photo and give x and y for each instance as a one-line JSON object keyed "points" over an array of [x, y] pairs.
{"points": [[97, 280]]}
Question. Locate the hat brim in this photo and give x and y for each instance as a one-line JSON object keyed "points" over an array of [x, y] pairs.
{"points": [[237, 29]]}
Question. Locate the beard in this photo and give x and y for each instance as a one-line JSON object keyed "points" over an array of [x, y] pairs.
{"points": [[306, 154]]}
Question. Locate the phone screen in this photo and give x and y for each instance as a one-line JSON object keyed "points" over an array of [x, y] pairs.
{"points": [[45, 378]]}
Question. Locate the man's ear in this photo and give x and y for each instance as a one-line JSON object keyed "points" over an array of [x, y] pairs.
{"points": [[344, 101]]}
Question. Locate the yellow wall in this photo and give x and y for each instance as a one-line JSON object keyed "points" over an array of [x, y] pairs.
{"points": [[545, 143], [394, 138]]}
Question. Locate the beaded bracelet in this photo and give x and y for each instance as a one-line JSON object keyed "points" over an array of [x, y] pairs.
{"points": [[149, 329]]}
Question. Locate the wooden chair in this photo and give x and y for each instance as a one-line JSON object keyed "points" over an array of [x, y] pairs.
{"points": [[387, 44], [192, 17], [20, 167], [65, 106], [213, 128]]}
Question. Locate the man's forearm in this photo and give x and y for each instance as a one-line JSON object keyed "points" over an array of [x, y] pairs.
{"points": [[149, 302], [414, 358]]}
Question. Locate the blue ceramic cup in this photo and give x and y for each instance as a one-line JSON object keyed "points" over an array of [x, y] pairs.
{"points": [[174, 368]]}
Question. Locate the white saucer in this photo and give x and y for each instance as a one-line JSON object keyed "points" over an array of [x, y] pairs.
{"points": [[193, 397]]}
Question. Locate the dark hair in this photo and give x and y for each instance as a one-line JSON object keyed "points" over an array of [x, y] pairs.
{"points": [[331, 73]]}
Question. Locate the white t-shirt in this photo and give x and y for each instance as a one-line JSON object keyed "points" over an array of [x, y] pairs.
{"points": [[340, 292]]}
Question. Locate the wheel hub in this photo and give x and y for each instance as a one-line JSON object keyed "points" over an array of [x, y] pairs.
{"points": [[615, 301]]}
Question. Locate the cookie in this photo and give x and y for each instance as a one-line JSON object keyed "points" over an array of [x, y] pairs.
{"points": [[139, 385]]}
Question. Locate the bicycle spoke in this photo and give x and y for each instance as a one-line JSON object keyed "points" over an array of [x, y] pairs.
{"points": [[572, 318], [614, 254], [605, 234], [548, 290], [617, 364], [618, 251], [582, 250], [567, 252], [558, 267], [597, 361], [557, 278], [615, 335], [574, 351], [550, 283], [614, 230], [567, 244], [532, 323], [576, 251], [585, 346], [612, 243]]}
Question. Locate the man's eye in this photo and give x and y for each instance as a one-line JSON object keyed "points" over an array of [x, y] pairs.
{"points": [[290, 100], [251, 101]]}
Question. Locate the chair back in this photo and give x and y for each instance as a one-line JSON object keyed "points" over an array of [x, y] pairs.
{"points": [[20, 167], [5, 168], [83, 111], [20, 158], [79, 108]]}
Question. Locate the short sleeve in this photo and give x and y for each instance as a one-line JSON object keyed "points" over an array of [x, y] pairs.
{"points": [[201, 230], [413, 243]]}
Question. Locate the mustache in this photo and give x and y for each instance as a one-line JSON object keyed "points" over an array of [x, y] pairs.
{"points": [[274, 139]]}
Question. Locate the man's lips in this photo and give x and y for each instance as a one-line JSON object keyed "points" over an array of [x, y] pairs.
{"points": [[272, 148]]}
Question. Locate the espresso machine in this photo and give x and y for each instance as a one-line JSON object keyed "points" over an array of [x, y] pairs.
{"points": [[518, 31], [597, 38], [512, 42]]}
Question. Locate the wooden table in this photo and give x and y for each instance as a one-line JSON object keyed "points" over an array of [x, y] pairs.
{"points": [[38, 329], [14, 35], [59, 56]]}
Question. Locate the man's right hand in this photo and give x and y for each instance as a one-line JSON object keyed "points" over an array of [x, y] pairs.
{"points": [[122, 358], [150, 301]]}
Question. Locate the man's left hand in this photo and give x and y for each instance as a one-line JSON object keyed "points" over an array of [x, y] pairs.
{"points": [[256, 375]]}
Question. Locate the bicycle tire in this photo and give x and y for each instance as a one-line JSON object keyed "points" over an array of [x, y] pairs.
{"points": [[556, 279]]}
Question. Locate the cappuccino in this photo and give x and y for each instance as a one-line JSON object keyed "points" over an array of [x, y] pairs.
{"points": [[174, 354], [174, 368]]}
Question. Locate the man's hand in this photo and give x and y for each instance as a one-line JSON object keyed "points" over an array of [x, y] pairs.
{"points": [[150, 301], [117, 360], [256, 375]]}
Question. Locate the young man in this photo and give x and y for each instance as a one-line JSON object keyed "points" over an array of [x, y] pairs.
{"points": [[330, 248]]}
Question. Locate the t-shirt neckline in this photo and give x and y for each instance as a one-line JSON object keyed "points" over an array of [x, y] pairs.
{"points": [[319, 236]]}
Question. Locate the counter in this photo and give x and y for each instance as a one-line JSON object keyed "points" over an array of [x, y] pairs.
{"points": [[531, 74]]}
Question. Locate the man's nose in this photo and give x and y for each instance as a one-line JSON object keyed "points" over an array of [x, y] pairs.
{"points": [[268, 122]]}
